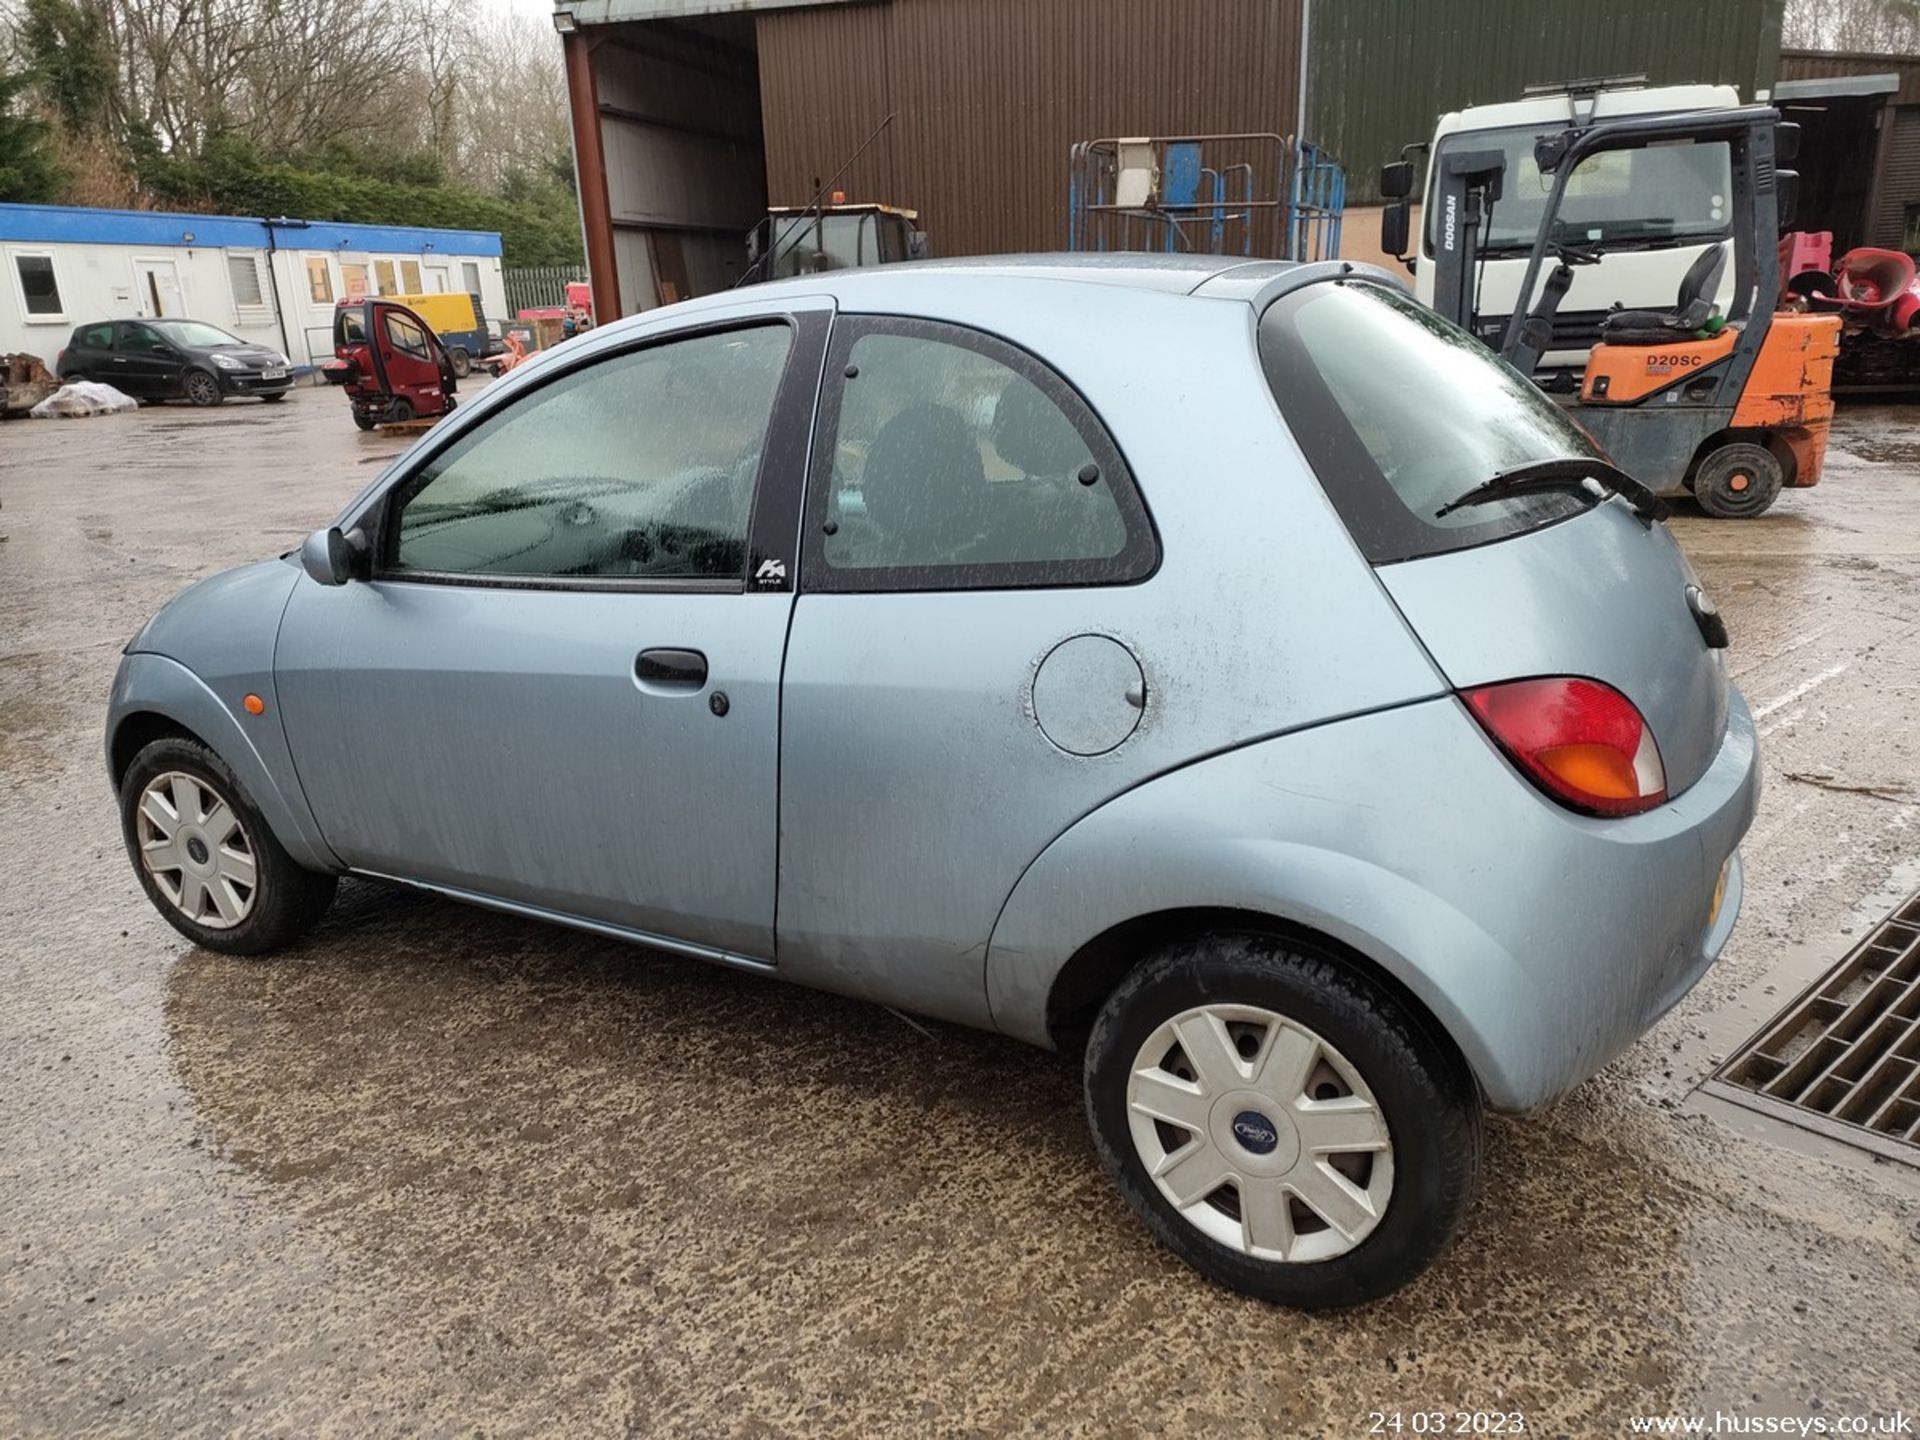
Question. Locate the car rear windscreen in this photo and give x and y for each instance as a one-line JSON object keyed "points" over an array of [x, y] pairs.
{"points": [[1399, 413]]}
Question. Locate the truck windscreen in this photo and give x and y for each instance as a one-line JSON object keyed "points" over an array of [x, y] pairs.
{"points": [[1672, 193]]}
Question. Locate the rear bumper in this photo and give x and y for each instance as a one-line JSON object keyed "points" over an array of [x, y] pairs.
{"points": [[1543, 942], [1612, 931]]}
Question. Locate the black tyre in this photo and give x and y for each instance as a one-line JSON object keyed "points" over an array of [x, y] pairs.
{"points": [[201, 388], [1738, 481], [400, 411], [363, 420], [461, 362], [1283, 1124], [206, 858]]}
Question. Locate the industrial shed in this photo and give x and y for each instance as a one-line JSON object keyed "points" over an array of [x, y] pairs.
{"points": [[691, 116], [1860, 163]]}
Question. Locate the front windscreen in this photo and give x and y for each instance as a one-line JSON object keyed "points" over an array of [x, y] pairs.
{"points": [[1671, 193], [1400, 413], [194, 332], [811, 244]]}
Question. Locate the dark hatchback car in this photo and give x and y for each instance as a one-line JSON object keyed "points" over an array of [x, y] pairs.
{"points": [[174, 359]]}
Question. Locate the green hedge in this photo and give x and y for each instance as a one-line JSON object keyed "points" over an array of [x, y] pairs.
{"points": [[232, 179]]}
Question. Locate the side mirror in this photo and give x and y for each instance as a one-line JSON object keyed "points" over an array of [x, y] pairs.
{"points": [[1396, 180], [917, 246], [331, 558], [1786, 142], [1396, 228], [1786, 185]]}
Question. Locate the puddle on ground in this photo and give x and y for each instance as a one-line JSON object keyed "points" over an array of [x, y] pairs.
{"points": [[209, 422]]}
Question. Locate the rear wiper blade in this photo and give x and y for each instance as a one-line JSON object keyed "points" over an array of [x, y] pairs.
{"points": [[1563, 472]]}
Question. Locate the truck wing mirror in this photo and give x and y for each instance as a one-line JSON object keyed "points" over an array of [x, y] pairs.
{"points": [[1396, 180], [917, 246], [1786, 184], [1395, 228], [1786, 142]]}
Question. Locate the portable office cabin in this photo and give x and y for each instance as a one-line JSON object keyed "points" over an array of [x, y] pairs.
{"points": [[274, 282]]}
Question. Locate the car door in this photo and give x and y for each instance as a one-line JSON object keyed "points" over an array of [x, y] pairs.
{"points": [[963, 676], [90, 354], [408, 359], [145, 363], [559, 687]]}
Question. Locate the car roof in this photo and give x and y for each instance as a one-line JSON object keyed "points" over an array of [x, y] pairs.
{"points": [[1211, 277]]}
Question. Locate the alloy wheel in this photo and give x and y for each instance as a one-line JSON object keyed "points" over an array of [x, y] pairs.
{"points": [[196, 849], [1260, 1134], [202, 388]]}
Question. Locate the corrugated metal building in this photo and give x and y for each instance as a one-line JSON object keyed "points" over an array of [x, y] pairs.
{"points": [[1383, 70], [1867, 107], [690, 116]]}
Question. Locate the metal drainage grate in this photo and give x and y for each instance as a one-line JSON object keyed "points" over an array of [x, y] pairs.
{"points": [[1844, 1058]]}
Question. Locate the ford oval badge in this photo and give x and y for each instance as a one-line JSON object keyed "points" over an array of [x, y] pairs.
{"points": [[1255, 1132]]}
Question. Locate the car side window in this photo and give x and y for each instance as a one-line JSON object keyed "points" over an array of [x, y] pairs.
{"points": [[639, 466], [97, 337], [406, 337], [140, 340], [960, 462]]}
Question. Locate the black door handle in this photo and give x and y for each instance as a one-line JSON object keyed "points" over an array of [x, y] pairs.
{"points": [[671, 669]]}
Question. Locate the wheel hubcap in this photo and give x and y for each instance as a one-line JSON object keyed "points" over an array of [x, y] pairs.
{"points": [[1261, 1134], [197, 851]]}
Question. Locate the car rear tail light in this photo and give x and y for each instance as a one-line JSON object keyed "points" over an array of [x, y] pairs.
{"points": [[1579, 740]]}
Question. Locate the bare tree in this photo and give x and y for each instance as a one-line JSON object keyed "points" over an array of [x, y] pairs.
{"points": [[479, 89], [514, 108], [1874, 26]]}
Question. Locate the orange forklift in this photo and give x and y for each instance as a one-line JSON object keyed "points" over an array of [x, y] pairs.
{"points": [[1728, 408]]}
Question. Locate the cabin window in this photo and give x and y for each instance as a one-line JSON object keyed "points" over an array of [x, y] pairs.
{"points": [[243, 274], [39, 286]]}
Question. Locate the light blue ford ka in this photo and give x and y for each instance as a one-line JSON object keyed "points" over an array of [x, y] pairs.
{"points": [[1226, 671]]}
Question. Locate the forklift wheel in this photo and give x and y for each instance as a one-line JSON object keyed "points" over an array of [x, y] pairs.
{"points": [[1738, 481], [363, 420]]}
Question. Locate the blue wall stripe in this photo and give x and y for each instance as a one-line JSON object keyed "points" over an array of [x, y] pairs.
{"points": [[65, 224]]}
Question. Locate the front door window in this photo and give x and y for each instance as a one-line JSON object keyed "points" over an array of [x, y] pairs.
{"points": [[640, 466]]}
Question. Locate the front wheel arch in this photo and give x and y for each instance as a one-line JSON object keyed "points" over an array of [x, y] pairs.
{"points": [[137, 731]]}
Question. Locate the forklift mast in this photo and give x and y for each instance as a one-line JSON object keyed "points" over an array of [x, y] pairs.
{"points": [[1471, 182]]}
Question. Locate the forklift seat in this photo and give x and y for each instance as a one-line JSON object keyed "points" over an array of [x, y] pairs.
{"points": [[1692, 309]]}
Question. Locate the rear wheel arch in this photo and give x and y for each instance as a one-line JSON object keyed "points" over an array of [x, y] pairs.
{"points": [[1094, 971]]}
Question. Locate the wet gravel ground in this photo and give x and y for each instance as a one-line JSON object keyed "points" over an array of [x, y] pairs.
{"points": [[441, 1171]]}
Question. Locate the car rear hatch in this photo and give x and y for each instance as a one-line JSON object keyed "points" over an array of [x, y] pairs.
{"points": [[1602, 596], [1401, 415]]}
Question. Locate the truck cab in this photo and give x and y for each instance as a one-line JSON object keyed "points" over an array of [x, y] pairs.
{"points": [[810, 240], [1654, 211]]}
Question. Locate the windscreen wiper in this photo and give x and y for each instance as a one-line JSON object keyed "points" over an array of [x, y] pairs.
{"points": [[1563, 472]]}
